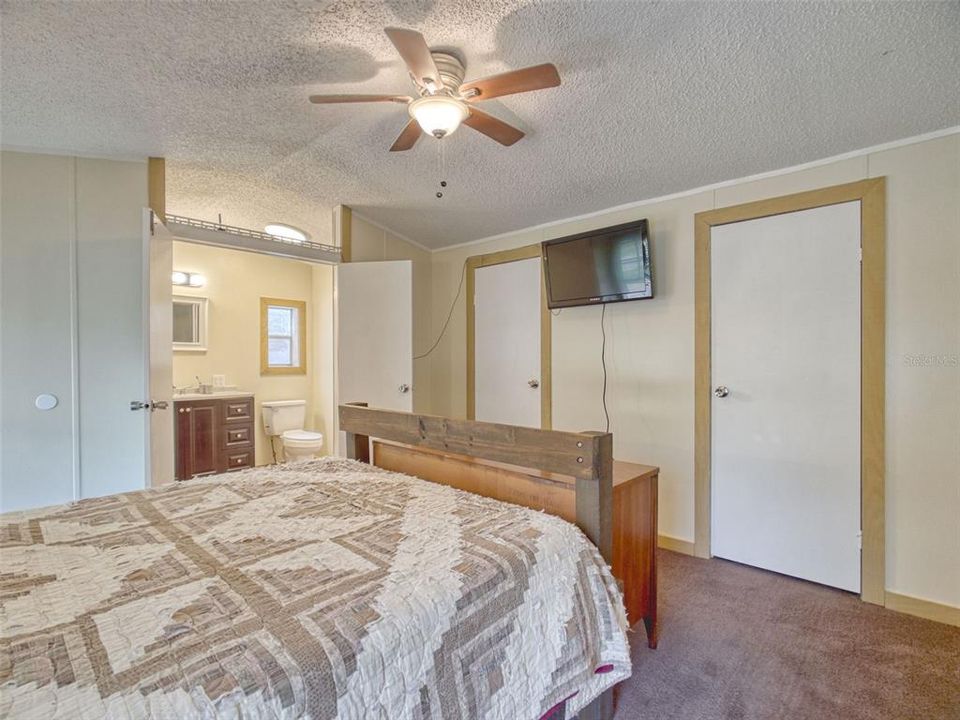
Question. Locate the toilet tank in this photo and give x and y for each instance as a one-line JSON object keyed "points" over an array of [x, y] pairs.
{"points": [[282, 415]]}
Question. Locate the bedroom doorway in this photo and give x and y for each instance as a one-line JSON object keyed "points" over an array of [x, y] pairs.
{"points": [[789, 385], [508, 339]]}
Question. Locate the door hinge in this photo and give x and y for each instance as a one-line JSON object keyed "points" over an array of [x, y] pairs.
{"points": [[860, 254], [860, 540]]}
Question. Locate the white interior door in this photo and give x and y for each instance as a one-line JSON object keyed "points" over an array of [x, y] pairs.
{"points": [[785, 344], [375, 334], [507, 343], [113, 261], [160, 339]]}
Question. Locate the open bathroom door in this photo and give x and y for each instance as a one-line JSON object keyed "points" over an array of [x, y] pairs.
{"points": [[160, 355], [375, 335]]}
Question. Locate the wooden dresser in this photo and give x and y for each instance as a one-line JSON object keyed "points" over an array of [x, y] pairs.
{"points": [[634, 561], [213, 435]]}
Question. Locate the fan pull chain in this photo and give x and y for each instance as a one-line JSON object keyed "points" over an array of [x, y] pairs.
{"points": [[441, 166]]}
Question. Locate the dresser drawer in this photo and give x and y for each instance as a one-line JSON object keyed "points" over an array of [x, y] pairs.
{"points": [[234, 410], [239, 460], [236, 435]]}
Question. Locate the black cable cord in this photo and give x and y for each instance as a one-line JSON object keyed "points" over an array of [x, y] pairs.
{"points": [[603, 361], [463, 273]]}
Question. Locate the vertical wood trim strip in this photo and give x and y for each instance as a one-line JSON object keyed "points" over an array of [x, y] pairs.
{"points": [[472, 264], [264, 363], [873, 391], [546, 355], [157, 186], [346, 233], [871, 194]]}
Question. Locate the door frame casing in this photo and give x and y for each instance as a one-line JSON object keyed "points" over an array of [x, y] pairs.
{"points": [[871, 194], [475, 262]]}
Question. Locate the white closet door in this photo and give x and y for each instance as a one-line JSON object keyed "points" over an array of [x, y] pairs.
{"points": [[375, 334], [507, 348], [785, 336], [113, 295]]}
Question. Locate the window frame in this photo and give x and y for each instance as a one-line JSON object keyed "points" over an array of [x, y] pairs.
{"points": [[200, 304], [301, 307]]}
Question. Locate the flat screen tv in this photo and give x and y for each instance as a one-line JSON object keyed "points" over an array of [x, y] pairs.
{"points": [[602, 266]]}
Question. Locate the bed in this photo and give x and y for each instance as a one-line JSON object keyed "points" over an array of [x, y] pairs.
{"points": [[325, 589]]}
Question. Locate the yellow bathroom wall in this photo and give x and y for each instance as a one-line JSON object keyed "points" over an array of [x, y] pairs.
{"points": [[235, 283]]}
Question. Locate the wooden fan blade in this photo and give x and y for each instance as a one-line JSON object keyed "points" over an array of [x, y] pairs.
{"points": [[415, 53], [492, 127], [408, 138], [536, 77], [329, 99]]}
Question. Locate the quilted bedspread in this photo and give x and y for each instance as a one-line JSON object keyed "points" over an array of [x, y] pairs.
{"points": [[324, 589]]}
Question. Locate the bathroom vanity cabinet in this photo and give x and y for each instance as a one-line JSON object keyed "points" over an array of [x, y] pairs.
{"points": [[214, 434]]}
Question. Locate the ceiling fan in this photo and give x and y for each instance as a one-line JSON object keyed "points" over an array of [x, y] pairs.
{"points": [[445, 100]]}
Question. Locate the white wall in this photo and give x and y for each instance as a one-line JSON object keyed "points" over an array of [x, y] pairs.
{"points": [[324, 378], [650, 350], [71, 306]]}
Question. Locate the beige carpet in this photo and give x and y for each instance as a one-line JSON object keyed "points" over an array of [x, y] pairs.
{"points": [[741, 643]]}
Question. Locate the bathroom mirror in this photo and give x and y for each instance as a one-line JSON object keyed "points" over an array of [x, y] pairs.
{"points": [[189, 323]]}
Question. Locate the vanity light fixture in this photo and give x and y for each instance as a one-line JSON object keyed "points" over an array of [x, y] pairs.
{"points": [[193, 280], [286, 232]]}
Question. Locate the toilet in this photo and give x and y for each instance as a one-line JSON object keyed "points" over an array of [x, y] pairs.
{"points": [[285, 418]]}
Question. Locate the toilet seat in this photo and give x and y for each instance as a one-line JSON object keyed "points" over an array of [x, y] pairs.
{"points": [[302, 436]]}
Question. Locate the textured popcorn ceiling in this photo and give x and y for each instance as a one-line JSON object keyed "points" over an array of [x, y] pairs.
{"points": [[656, 98]]}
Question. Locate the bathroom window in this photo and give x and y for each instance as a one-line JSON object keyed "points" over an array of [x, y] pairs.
{"points": [[283, 337], [189, 323]]}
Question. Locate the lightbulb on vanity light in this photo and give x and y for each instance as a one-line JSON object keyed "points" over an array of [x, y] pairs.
{"points": [[438, 115], [187, 278], [287, 232]]}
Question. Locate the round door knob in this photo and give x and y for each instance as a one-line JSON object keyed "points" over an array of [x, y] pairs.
{"points": [[404, 388], [721, 391], [534, 383]]}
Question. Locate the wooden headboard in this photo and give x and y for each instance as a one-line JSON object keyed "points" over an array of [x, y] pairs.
{"points": [[564, 473]]}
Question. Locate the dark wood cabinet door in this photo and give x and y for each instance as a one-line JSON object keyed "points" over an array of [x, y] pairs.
{"points": [[183, 469], [204, 451]]}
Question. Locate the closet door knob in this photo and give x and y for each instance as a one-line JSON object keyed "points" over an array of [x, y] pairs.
{"points": [[721, 391], [534, 383]]}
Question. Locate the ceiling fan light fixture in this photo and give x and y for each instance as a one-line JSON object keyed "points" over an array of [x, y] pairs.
{"points": [[439, 115]]}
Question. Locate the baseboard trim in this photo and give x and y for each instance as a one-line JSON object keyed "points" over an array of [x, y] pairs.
{"points": [[668, 542], [927, 609]]}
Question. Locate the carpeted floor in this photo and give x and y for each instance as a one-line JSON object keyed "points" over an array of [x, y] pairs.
{"points": [[737, 643]]}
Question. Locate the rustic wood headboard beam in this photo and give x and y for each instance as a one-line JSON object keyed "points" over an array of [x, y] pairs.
{"points": [[555, 451], [595, 496]]}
